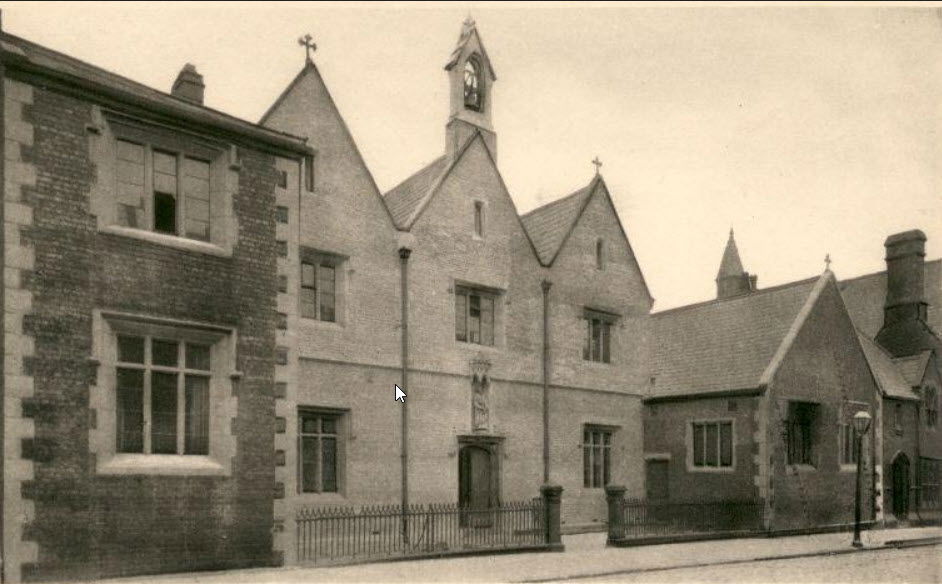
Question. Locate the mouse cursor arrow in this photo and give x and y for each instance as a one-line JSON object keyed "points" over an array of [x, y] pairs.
{"points": [[400, 395]]}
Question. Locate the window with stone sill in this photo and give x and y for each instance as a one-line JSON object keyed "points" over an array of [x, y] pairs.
{"points": [[474, 315], [848, 447], [596, 456], [321, 285], [320, 450], [800, 439], [162, 396], [597, 338], [161, 190], [712, 444]]}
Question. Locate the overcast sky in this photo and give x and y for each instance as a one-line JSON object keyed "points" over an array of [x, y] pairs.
{"points": [[811, 130]]}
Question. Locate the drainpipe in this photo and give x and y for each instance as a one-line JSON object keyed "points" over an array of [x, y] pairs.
{"points": [[546, 285], [404, 254], [3, 517], [918, 462]]}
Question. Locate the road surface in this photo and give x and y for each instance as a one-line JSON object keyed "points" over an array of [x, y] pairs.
{"points": [[917, 564]]}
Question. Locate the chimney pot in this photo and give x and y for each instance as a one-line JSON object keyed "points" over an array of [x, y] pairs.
{"points": [[189, 85]]}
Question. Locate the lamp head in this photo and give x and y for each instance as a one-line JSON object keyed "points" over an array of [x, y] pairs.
{"points": [[861, 422]]}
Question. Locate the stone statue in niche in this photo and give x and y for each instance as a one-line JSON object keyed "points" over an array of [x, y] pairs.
{"points": [[480, 396]]}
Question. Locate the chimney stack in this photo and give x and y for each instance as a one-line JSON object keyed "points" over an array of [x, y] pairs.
{"points": [[905, 330], [905, 277], [189, 85]]}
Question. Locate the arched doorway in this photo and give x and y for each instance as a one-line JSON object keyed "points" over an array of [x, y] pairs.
{"points": [[900, 472], [476, 485]]}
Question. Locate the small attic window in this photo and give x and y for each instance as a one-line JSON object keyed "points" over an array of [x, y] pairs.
{"points": [[473, 86], [599, 254]]}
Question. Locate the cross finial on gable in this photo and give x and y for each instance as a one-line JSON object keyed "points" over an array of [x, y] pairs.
{"points": [[598, 165], [827, 261], [307, 41]]}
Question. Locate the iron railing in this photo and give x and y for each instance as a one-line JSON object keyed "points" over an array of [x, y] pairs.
{"points": [[643, 519], [339, 535]]}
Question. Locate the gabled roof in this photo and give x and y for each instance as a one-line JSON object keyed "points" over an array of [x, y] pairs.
{"points": [[405, 199], [24, 55], [913, 367], [469, 29], [550, 225], [730, 265], [865, 296], [729, 344], [310, 70], [411, 197], [890, 379]]}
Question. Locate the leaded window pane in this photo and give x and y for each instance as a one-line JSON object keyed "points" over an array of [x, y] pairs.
{"points": [[461, 316], [129, 388], [196, 437], [163, 393], [130, 349], [326, 286]]}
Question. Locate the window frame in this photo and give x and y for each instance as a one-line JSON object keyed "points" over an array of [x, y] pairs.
{"points": [[605, 323], [182, 373], [181, 150], [341, 419], [479, 219], [483, 294], [803, 416], [597, 476], [221, 403], [930, 405], [719, 423], [319, 262], [847, 451]]}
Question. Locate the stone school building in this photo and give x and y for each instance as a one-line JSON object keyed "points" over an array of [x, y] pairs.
{"points": [[205, 319]]}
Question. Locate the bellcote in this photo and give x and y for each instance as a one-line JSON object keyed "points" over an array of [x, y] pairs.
{"points": [[471, 79]]}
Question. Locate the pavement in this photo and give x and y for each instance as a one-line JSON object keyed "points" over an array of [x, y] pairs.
{"points": [[585, 557]]}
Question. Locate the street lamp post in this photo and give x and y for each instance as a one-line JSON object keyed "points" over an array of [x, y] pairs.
{"points": [[861, 424]]}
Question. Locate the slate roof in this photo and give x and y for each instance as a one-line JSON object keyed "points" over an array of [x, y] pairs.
{"points": [[890, 379], [865, 296], [728, 344], [913, 367], [549, 225], [406, 198], [23, 54]]}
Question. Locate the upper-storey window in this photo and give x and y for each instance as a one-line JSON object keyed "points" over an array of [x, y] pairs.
{"points": [[599, 254], [597, 342], [162, 190], [474, 316], [473, 91]]}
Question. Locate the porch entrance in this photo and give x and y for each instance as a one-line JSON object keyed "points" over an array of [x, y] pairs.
{"points": [[901, 486]]}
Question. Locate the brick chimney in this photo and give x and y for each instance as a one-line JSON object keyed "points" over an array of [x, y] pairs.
{"points": [[905, 277], [189, 85], [905, 331]]}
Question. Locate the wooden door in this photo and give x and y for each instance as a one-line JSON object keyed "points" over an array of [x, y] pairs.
{"points": [[656, 480], [901, 486], [475, 486]]}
